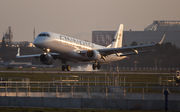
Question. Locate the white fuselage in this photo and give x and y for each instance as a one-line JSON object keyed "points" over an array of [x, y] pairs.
{"points": [[69, 47]]}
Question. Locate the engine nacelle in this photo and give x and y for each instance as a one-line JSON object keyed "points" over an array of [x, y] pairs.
{"points": [[92, 55], [46, 59]]}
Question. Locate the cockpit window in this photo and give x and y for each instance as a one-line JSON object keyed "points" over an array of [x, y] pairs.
{"points": [[44, 35], [48, 35]]}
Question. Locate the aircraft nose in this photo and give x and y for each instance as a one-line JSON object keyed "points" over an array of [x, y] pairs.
{"points": [[37, 42]]}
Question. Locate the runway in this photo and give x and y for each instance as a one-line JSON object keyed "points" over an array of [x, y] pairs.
{"points": [[90, 72]]}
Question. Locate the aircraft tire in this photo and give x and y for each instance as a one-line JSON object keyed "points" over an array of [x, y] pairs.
{"points": [[98, 66], [94, 66], [63, 68], [68, 68]]}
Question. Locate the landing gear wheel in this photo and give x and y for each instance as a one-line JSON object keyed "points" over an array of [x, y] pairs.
{"points": [[98, 66], [68, 68], [94, 66], [63, 68]]}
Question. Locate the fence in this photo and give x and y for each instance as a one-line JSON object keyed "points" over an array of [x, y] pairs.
{"points": [[66, 89], [113, 80], [144, 68]]}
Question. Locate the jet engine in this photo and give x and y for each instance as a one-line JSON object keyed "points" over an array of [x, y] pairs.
{"points": [[92, 55], [46, 59]]}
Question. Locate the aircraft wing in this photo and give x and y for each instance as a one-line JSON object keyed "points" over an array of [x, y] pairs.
{"points": [[124, 51], [34, 55], [26, 56]]}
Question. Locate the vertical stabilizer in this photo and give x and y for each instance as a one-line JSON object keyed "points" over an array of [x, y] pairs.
{"points": [[117, 40], [18, 52]]}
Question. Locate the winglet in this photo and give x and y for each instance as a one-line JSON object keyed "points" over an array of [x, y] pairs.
{"points": [[161, 40], [18, 52]]}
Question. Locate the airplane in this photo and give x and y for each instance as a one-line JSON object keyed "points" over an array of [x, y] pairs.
{"points": [[58, 46]]}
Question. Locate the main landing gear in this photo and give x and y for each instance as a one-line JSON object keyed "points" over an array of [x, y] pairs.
{"points": [[66, 67], [98, 66]]}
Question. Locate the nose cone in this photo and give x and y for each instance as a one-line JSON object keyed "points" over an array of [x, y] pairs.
{"points": [[37, 42]]}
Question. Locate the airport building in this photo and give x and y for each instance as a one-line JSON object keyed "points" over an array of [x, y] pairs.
{"points": [[151, 34]]}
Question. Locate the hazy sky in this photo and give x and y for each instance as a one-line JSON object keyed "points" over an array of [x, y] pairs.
{"points": [[78, 18]]}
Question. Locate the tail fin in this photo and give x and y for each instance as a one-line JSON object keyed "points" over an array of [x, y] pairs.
{"points": [[117, 40], [18, 52]]}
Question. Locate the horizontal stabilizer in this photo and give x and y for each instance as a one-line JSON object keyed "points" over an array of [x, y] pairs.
{"points": [[109, 46]]}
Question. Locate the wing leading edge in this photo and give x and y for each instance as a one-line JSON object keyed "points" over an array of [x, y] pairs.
{"points": [[26, 56], [34, 55], [124, 51]]}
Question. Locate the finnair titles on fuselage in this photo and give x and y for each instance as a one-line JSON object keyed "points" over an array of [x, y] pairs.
{"points": [[64, 48], [76, 42]]}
